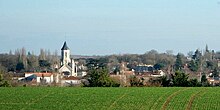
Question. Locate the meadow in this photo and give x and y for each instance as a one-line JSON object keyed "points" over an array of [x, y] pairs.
{"points": [[149, 98]]}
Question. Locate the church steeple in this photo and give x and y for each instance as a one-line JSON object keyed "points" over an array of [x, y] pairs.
{"points": [[65, 47], [65, 55]]}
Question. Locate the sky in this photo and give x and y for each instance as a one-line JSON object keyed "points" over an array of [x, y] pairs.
{"points": [[104, 27]]}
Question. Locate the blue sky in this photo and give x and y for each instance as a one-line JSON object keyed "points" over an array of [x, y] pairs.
{"points": [[100, 27]]}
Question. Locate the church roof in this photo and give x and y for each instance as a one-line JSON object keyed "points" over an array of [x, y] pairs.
{"points": [[65, 46]]}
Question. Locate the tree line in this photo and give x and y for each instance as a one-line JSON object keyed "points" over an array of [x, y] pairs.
{"points": [[23, 61]]}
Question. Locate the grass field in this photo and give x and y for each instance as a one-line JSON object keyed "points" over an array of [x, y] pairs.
{"points": [[110, 98]]}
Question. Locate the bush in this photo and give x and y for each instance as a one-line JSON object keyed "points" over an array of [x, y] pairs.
{"points": [[100, 78]]}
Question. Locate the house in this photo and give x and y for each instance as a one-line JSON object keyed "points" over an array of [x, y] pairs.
{"points": [[70, 81], [82, 70], [158, 73], [39, 77], [82, 73], [123, 78], [213, 80], [31, 78], [141, 69]]}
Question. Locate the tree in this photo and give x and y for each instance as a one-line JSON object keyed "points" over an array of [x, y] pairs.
{"points": [[210, 65], [180, 79], [24, 57], [193, 66], [42, 55], [20, 66], [197, 55], [215, 73], [190, 54], [179, 62], [150, 57], [134, 81], [194, 83], [204, 81], [203, 78], [96, 63], [33, 62], [196, 61], [113, 63], [3, 83], [9, 61], [44, 63], [159, 66], [99, 77], [165, 82]]}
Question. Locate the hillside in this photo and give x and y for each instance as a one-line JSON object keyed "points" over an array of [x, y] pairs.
{"points": [[110, 98]]}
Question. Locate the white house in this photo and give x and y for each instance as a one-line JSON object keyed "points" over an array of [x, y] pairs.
{"points": [[159, 73], [82, 73], [42, 77], [71, 80]]}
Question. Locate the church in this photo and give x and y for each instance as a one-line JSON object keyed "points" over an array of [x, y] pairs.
{"points": [[67, 64], [65, 76]]}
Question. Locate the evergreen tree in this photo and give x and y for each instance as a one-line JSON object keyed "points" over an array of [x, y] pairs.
{"points": [[204, 81], [197, 55], [203, 78], [180, 79], [194, 83], [20, 66], [193, 66], [179, 62], [165, 82]]}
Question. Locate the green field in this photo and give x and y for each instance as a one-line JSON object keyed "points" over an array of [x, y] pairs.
{"points": [[110, 98]]}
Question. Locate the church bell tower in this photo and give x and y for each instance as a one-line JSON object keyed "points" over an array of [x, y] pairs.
{"points": [[65, 55], [67, 63]]}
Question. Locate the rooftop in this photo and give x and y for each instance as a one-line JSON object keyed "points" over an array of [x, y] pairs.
{"points": [[65, 47], [41, 74], [70, 78]]}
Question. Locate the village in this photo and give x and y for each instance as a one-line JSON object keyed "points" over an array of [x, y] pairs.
{"points": [[68, 71]]}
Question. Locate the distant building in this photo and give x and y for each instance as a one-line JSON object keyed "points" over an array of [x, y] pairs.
{"points": [[123, 78], [158, 73], [70, 81], [46, 78], [142, 69], [68, 66], [213, 81], [67, 74]]}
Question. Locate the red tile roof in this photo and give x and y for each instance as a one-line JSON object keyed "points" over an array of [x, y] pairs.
{"points": [[42, 74], [70, 78]]}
